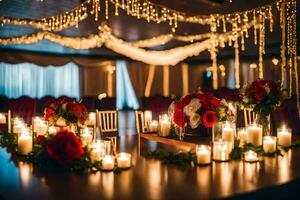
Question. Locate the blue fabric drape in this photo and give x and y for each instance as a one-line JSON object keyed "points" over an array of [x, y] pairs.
{"points": [[34, 81]]}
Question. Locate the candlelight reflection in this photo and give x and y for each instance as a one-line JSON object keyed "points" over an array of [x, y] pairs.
{"points": [[204, 179], [251, 173], [107, 183], [223, 176], [284, 166], [157, 179], [25, 170], [94, 179]]}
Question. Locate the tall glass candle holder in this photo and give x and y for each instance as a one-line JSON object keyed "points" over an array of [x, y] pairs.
{"points": [[25, 142], [147, 117], [242, 136], [164, 125], [228, 132], [284, 136], [254, 134]]}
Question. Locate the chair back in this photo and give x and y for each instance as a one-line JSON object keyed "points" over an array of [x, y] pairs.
{"points": [[140, 121], [5, 121], [108, 120], [249, 116], [23, 107]]}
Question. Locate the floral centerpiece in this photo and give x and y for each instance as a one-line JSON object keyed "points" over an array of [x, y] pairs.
{"points": [[199, 108], [263, 96], [65, 112]]}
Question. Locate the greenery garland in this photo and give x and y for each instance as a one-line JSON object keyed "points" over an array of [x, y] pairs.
{"points": [[41, 159]]}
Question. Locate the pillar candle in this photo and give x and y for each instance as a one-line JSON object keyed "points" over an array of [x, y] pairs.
{"points": [[24, 144], [254, 134], [269, 144], [148, 116], [228, 133], [124, 160], [284, 136], [164, 126], [250, 156], [203, 153], [2, 119], [108, 162]]}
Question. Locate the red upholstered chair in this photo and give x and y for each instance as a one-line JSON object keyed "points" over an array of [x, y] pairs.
{"points": [[23, 107]]}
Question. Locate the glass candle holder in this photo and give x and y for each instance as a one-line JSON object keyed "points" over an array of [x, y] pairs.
{"points": [[86, 136], [221, 150], [52, 130], [153, 126], [108, 163], [250, 156], [228, 132], [242, 136], [164, 125], [284, 136], [124, 160], [147, 116], [92, 119], [2, 119], [98, 150], [269, 144], [254, 134], [25, 142], [203, 153]]}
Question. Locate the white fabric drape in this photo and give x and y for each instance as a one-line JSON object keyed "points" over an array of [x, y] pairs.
{"points": [[34, 81]]}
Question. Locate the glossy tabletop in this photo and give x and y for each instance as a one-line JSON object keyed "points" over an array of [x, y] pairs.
{"points": [[147, 179]]}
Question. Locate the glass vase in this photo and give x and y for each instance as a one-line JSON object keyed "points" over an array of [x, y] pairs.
{"points": [[264, 121], [180, 132]]}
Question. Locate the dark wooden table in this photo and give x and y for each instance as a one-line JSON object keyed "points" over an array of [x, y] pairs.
{"points": [[150, 179]]}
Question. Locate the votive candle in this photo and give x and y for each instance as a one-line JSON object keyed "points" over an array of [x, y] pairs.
{"points": [[153, 126], [221, 150], [203, 153], [108, 162], [250, 156], [124, 160], [269, 144], [284, 136]]}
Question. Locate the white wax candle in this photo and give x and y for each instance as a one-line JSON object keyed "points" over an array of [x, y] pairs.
{"points": [[61, 122], [36, 122], [92, 119], [165, 128], [52, 130], [269, 144], [221, 150], [124, 160], [108, 162], [284, 137], [2, 119], [242, 136], [96, 154], [17, 128], [148, 116], [228, 134], [153, 126], [41, 128], [24, 144], [203, 154], [254, 135], [250, 156]]}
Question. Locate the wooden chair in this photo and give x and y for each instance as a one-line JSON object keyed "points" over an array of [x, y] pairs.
{"points": [[6, 120], [249, 116], [140, 122]]}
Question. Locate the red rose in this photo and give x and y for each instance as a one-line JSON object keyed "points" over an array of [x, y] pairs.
{"points": [[272, 85], [64, 147], [209, 119], [40, 139], [259, 93], [179, 117], [78, 110], [215, 102], [49, 111]]}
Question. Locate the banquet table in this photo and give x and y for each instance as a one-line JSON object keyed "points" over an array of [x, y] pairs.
{"points": [[151, 179]]}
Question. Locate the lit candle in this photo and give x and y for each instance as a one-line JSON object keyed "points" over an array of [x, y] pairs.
{"points": [[108, 162], [164, 126], [203, 153], [228, 133], [92, 119], [221, 150], [254, 134], [86, 137], [24, 143], [17, 128], [242, 136], [41, 128], [284, 136], [61, 122], [124, 160], [269, 144], [97, 150], [148, 116], [250, 156], [52, 130], [35, 123], [153, 126], [2, 119]]}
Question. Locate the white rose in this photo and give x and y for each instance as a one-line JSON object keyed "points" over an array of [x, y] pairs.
{"points": [[192, 107], [195, 120], [267, 88]]}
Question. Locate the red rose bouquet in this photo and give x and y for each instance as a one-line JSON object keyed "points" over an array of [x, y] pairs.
{"points": [[199, 108], [66, 111], [263, 96]]}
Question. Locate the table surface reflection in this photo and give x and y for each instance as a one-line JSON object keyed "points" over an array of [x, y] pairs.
{"points": [[148, 179]]}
